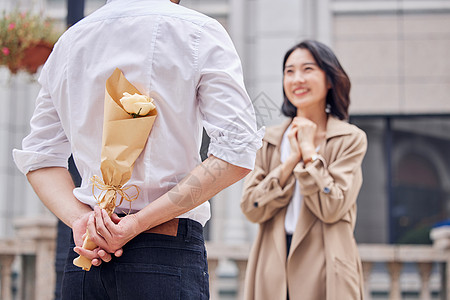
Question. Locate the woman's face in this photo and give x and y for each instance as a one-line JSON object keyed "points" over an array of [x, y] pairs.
{"points": [[304, 83]]}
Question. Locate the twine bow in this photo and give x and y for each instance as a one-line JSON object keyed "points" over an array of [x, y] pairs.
{"points": [[98, 183]]}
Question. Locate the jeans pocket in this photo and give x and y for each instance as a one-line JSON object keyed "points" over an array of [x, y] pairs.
{"points": [[72, 285], [148, 281]]}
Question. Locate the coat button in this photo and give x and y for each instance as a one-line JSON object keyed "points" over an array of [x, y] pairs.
{"points": [[326, 190], [255, 204]]}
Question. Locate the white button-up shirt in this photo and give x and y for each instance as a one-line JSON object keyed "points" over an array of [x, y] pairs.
{"points": [[184, 57]]}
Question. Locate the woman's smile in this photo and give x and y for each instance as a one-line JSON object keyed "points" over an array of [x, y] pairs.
{"points": [[300, 91]]}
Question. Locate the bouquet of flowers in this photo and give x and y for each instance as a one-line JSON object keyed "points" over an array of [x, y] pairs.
{"points": [[128, 120]]}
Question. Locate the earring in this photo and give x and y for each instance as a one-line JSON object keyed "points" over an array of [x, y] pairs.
{"points": [[328, 108]]}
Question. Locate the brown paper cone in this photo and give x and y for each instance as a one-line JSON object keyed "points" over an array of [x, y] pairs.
{"points": [[123, 140], [81, 261]]}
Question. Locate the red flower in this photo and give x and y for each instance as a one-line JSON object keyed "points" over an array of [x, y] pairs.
{"points": [[5, 51], [11, 26]]}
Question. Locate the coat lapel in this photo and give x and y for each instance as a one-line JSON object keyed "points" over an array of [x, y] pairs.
{"points": [[274, 136]]}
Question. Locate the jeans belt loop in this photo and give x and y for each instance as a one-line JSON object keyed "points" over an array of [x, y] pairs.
{"points": [[188, 230]]}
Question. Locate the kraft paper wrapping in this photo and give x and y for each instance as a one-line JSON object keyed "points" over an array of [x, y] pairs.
{"points": [[124, 138]]}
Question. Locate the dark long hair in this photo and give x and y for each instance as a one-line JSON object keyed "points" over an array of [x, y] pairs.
{"points": [[338, 96]]}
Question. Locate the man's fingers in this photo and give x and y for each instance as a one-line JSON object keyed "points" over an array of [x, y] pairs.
{"points": [[96, 256], [115, 218], [100, 218], [93, 233], [105, 256], [90, 254], [108, 223], [118, 253], [96, 262]]}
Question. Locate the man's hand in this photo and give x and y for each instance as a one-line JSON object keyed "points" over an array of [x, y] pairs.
{"points": [[54, 186], [207, 179], [111, 233], [97, 255]]}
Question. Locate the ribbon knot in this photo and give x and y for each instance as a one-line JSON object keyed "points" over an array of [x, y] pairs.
{"points": [[98, 183]]}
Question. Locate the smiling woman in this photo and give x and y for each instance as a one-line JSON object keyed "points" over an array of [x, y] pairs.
{"points": [[304, 83], [303, 190], [322, 59]]}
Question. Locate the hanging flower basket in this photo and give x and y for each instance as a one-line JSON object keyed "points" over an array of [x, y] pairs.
{"points": [[33, 57], [26, 41]]}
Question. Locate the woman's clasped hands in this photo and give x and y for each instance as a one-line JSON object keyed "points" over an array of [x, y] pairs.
{"points": [[301, 138]]}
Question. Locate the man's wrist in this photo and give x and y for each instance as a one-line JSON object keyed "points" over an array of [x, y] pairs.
{"points": [[141, 225]]}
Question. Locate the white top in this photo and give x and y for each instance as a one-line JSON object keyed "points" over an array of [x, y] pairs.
{"points": [[181, 55], [293, 210]]}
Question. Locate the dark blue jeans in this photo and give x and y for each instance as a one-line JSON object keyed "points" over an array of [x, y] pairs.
{"points": [[153, 266]]}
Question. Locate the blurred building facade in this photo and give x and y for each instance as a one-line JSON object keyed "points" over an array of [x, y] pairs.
{"points": [[396, 54]]}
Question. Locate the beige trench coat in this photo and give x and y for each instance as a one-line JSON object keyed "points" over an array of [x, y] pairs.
{"points": [[323, 262]]}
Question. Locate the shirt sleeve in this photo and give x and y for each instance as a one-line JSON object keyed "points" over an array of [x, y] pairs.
{"points": [[228, 113], [47, 144]]}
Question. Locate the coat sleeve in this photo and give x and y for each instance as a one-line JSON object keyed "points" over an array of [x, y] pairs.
{"points": [[263, 195], [330, 191]]}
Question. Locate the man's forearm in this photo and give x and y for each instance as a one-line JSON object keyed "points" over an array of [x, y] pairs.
{"points": [[200, 185], [54, 186]]}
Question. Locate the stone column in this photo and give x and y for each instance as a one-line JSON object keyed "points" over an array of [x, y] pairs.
{"points": [[42, 231], [367, 269], [395, 269], [242, 267], [213, 263], [425, 273], [5, 264]]}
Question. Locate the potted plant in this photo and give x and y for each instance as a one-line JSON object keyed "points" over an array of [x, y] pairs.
{"points": [[26, 41]]}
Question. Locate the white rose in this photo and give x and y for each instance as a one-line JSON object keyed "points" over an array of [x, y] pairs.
{"points": [[137, 105]]}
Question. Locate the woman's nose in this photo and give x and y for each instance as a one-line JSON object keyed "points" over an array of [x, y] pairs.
{"points": [[298, 77]]}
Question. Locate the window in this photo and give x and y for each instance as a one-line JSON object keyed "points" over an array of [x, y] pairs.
{"points": [[406, 188]]}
